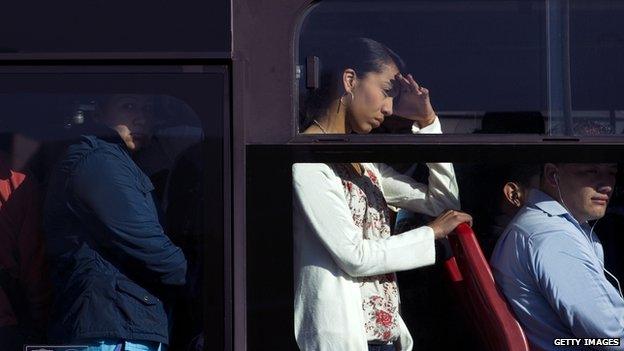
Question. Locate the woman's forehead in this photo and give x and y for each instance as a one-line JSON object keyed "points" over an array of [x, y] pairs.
{"points": [[388, 72]]}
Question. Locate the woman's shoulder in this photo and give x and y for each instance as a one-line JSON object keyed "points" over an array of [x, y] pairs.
{"points": [[306, 169], [314, 176]]}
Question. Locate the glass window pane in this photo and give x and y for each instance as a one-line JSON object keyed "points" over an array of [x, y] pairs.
{"points": [[346, 234], [115, 26], [484, 62], [106, 176], [597, 75]]}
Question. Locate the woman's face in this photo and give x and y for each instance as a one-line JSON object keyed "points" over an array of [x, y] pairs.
{"points": [[372, 99], [131, 115]]}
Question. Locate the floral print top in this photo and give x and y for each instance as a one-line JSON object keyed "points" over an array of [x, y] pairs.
{"points": [[380, 294]]}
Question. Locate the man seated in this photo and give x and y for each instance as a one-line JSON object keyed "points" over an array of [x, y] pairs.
{"points": [[550, 264], [496, 196]]}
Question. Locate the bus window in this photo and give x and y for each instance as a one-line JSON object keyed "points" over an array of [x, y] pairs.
{"points": [[328, 207], [510, 67], [484, 63], [108, 185], [596, 48], [114, 28]]}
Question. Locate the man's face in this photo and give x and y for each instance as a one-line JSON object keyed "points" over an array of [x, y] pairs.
{"points": [[131, 115], [585, 189]]}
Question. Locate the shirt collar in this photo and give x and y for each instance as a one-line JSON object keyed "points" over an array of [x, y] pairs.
{"points": [[552, 207], [546, 203]]}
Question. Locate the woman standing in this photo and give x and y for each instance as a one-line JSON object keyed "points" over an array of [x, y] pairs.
{"points": [[346, 294]]}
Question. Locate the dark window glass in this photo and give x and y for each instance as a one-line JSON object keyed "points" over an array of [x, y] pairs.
{"points": [[115, 169], [484, 62], [116, 26], [597, 50]]}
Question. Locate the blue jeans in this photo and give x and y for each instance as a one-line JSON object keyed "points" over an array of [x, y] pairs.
{"points": [[117, 345], [389, 347]]}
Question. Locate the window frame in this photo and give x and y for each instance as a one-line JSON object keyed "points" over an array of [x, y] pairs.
{"points": [[37, 69]]}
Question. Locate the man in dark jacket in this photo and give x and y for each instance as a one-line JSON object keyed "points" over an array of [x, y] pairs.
{"points": [[113, 266]]}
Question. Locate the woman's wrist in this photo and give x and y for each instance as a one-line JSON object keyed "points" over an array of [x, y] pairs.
{"points": [[424, 122]]}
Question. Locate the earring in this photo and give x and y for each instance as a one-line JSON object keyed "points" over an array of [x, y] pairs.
{"points": [[345, 94], [341, 102], [352, 96]]}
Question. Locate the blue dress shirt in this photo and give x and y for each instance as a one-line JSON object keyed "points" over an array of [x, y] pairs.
{"points": [[552, 275]]}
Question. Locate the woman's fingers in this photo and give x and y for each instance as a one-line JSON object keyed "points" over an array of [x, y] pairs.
{"points": [[417, 88], [448, 221], [405, 84], [411, 80], [464, 218], [460, 217], [408, 82]]}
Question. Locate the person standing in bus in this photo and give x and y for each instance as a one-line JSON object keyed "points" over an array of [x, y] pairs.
{"points": [[113, 265], [24, 286], [345, 258], [550, 264]]}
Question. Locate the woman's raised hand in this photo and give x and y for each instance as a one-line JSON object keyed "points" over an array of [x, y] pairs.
{"points": [[447, 222], [413, 102]]}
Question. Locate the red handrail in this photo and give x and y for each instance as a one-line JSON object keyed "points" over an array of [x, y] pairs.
{"points": [[470, 273]]}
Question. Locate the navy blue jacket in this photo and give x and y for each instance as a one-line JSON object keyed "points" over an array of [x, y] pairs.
{"points": [[111, 260]]}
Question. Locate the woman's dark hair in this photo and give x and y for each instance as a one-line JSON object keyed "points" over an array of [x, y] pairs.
{"points": [[363, 55]]}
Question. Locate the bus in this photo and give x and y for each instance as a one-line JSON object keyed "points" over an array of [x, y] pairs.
{"points": [[514, 83]]}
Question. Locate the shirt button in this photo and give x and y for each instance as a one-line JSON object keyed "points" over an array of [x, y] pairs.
{"points": [[145, 298]]}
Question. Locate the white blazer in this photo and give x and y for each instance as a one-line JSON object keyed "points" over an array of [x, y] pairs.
{"points": [[329, 250]]}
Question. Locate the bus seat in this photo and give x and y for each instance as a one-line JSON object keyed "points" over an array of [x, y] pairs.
{"points": [[472, 278]]}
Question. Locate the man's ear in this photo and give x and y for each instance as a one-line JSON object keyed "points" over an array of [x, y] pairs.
{"points": [[550, 175], [513, 194], [349, 80]]}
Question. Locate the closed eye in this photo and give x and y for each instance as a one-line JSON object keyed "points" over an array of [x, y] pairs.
{"points": [[391, 92]]}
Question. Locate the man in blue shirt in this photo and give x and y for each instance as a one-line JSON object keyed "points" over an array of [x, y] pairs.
{"points": [[550, 265]]}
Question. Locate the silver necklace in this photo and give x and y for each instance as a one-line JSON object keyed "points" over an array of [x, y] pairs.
{"points": [[320, 126]]}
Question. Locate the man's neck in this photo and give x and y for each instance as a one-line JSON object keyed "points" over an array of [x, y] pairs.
{"points": [[554, 193]]}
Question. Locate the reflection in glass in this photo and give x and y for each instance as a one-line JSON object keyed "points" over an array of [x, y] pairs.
{"points": [[115, 172]]}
